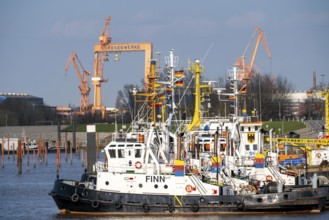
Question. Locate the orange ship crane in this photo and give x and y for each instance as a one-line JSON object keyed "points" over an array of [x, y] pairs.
{"points": [[83, 79], [240, 62], [245, 72], [101, 52]]}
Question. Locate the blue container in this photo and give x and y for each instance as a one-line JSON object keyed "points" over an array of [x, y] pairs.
{"points": [[292, 162]]}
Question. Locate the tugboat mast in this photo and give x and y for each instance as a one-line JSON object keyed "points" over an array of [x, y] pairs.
{"points": [[171, 62], [196, 69]]}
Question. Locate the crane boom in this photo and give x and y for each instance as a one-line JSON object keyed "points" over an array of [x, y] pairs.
{"points": [[240, 62], [83, 79]]}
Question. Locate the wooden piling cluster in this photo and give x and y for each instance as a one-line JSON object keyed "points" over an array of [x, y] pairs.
{"points": [[40, 153]]}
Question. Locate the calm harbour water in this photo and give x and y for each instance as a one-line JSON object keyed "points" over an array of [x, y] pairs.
{"points": [[25, 196]]}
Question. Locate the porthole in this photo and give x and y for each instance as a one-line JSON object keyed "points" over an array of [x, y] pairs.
{"points": [[165, 186], [140, 185], [156, 186], [107, 183]]}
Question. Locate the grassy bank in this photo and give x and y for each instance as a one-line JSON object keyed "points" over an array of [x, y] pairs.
{"points": [[99, 127], [286, 126]]}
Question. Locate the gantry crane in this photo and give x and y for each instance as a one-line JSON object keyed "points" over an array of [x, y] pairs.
{"points": [[83, 79], [246, 69], [101, 52]]}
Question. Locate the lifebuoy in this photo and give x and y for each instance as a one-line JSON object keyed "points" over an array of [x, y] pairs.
{"points": [[171, 208], [95, 204], [188, 188], [318, 155], [118, 205], [138, 165], [195, 207], [75, 197], [269, 178]]}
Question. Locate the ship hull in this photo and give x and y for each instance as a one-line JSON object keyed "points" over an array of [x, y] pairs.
{"points": [[75, 197]]}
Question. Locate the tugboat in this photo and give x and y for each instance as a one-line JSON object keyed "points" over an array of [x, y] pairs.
{"points": [[150, 176], [136, 179]]}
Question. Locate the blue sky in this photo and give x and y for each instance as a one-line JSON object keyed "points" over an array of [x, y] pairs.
{"points": [[38, 36]]}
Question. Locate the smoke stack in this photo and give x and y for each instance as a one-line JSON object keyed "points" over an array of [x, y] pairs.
{"points": [[314, 80]]}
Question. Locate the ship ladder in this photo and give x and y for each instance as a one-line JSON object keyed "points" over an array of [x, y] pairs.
{"points": [[276, 174], [198, 184], [228, 179]]}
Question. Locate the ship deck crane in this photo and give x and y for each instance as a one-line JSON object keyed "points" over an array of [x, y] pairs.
{"points": [[101, 52], [83, 79]]}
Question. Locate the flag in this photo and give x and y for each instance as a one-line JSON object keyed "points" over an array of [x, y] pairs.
{"points": [[232, 99], [169, 91], [179, 74], [179, 83], [158, 106]]}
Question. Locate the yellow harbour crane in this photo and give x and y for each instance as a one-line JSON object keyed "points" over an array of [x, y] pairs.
{"points": [[101, 52]]}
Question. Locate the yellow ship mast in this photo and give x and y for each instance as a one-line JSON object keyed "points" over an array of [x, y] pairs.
{"points": [[196, 69]]}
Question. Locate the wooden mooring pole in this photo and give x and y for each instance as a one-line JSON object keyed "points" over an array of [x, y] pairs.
{"points": [[19, 157], [3, 153], [58, 154], [65, 145], [91, 147]]}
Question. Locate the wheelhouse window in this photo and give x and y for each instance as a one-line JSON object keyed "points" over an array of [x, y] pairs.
{"points": [[138, 153], [121, 153], [254, 147], [112, 153]]}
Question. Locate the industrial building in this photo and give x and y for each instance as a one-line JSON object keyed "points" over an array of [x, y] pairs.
{"points": [[22, 97]]}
